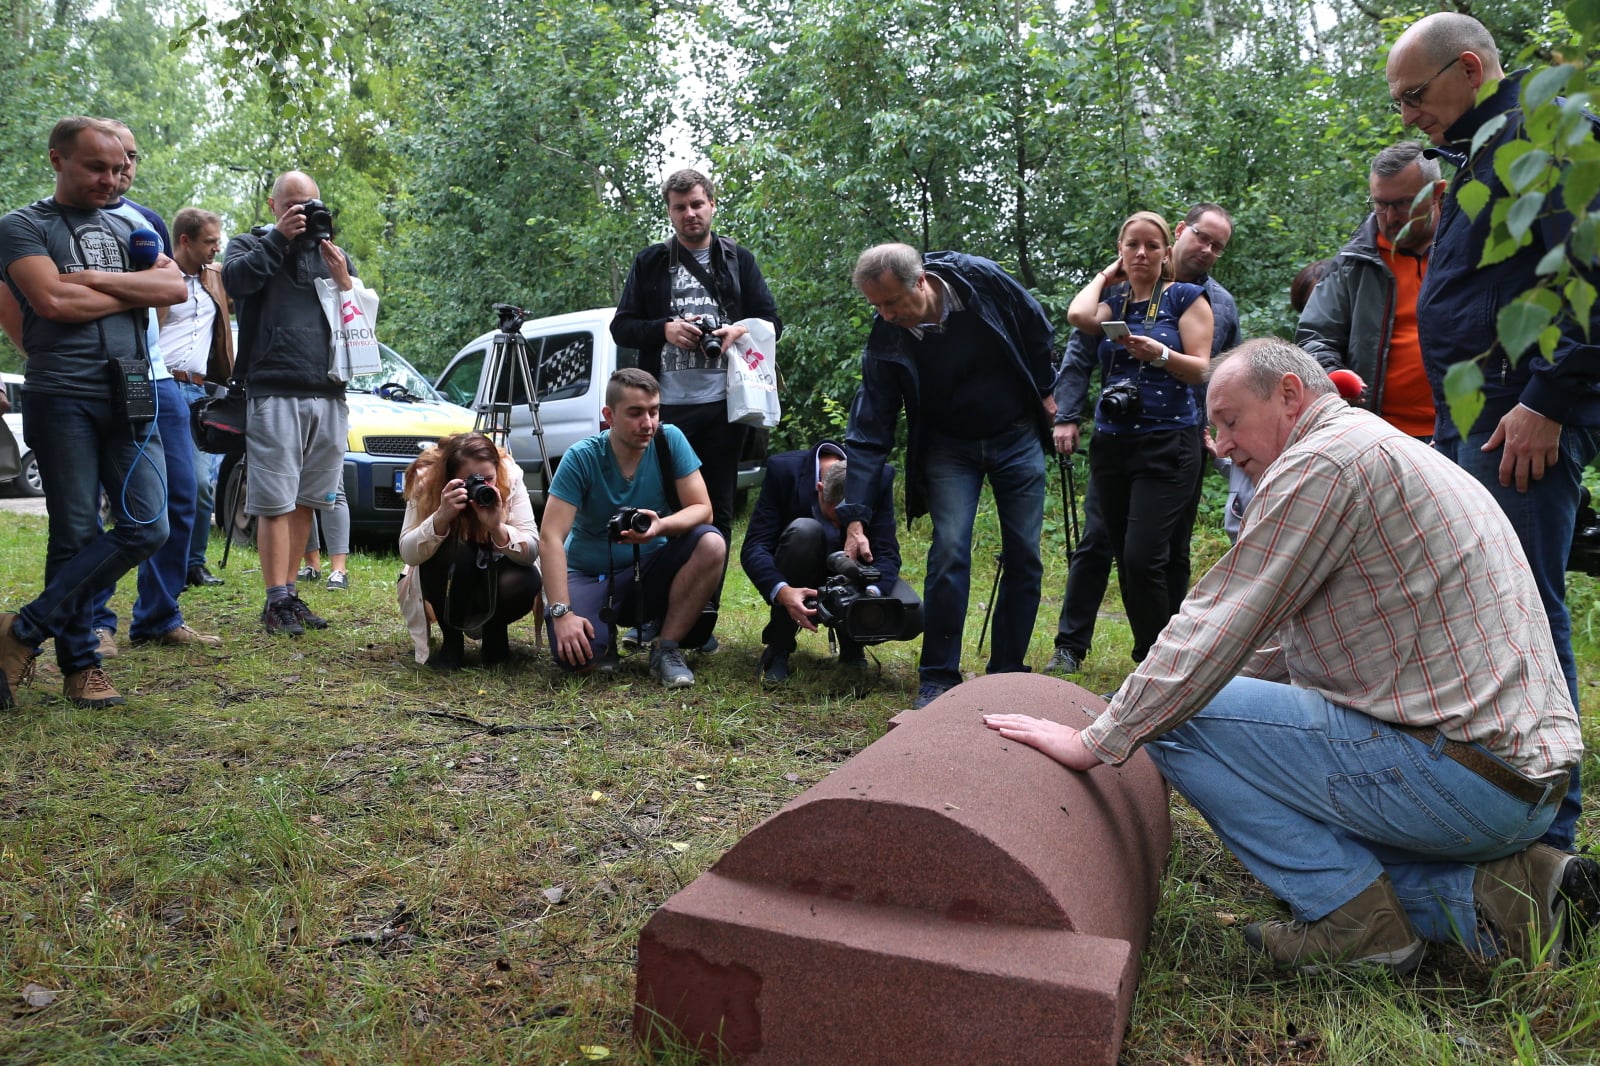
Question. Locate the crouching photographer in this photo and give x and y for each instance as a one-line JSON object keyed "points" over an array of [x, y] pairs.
{"points": [[470, 535], [628, 540], [792, 554]]}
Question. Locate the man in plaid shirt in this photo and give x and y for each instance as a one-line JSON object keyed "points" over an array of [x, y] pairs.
{"points": [[1362, 696]]}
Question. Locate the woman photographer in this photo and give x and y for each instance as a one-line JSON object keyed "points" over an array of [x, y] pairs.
{"points": [[1144, 458], [470, 535]]}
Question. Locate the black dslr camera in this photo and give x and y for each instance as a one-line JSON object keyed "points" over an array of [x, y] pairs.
{"points": [[710, 343], [844, 603], [1583, 556], [629, 518], [480, 492], [1121, 402], [319, 222]]}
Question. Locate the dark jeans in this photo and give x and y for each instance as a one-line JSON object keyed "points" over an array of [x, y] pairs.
{"points": [[1141, 491], [1544, 518], [593, 593], [802, 558], [467, 588], [91, 448]]}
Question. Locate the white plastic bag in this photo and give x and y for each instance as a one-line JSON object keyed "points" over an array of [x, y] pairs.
{"points": [[354, 347], [753, 376]]}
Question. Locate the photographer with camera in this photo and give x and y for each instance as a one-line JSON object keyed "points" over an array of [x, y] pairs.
{"points": [[626, 538], [295, 433], [678, 308], [470, 534], [792, 554], [1146, 454]]}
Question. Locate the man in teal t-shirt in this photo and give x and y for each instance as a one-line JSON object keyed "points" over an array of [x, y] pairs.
{"points": [[588, 560]]}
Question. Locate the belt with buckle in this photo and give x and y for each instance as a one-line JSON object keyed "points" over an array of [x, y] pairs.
{"points": [[1484, 765], [188, 378]]}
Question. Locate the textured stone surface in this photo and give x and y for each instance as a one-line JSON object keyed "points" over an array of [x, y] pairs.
{"points": [[946, 896]]}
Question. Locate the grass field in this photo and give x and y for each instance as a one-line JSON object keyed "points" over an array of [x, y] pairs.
{"points": [[315, 850]]}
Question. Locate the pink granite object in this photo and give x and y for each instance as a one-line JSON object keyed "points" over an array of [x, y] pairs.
{"points": [[946, 896]]}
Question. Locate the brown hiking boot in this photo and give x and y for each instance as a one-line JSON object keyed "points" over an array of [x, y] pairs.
{"points": [[91, 688], [1370, 930], [16, 662], [1534, 901]]}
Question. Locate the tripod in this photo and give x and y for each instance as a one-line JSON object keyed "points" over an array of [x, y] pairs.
{"points": [[506, 368]]}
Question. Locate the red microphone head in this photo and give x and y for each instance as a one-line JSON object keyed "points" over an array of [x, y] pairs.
{"points": [[1348, 382]]}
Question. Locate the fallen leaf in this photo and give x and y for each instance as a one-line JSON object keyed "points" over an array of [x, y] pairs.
{"points": [[595, 1052], [597, 796], [678, 845], [1227, 919], [555, 895], [699, 786], [791, 777], [37, 996]]}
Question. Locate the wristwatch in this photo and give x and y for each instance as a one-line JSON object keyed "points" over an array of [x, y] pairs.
{"points": [[557, 610], [1161, 360]]}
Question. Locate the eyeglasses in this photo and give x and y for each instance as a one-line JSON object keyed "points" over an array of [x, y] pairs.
{"points": [[1380, 206], [1413, 97]]}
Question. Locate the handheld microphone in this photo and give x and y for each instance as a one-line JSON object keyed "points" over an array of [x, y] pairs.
{"points": [[144, 248], [1348, 382]]}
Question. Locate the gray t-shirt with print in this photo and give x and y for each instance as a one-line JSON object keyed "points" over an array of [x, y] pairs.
{"points": [[689, 376]]}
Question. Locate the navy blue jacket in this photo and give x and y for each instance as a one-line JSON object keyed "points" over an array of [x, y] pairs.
{"points": [[889, 378], [645, 306], [1459, 301], [790, 492]]}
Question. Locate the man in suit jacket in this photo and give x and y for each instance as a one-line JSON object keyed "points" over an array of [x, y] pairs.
{"points": [[794, 529]]}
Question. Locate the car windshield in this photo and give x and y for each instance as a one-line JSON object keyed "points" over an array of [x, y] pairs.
{"points": [[399, 372]]}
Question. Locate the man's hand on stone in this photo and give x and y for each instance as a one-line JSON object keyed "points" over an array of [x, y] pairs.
{"points": [[1062, 743], [1532, 443], [792, 600]]}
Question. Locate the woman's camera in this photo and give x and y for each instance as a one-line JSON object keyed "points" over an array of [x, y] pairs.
{"points": [[629, 518], [1121, 402], [480, 492]]}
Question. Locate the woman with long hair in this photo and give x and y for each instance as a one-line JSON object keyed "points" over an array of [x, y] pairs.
{"points": [[470, 534], [1145, 455]]}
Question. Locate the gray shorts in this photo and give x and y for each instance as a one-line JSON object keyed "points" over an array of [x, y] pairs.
{"points": [[295, 447]]}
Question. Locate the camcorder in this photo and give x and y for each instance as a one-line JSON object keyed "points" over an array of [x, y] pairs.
{"points": [[480, 492], [629, 518], [710, 343], [1121, 402], [845, 604], [319, 223], [1583, 556]]}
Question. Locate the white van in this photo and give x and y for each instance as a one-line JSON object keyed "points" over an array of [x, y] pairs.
{"points": [[570, 359]]}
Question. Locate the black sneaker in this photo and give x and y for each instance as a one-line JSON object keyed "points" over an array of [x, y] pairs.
{"points": [[303, 614], [279, 617]]}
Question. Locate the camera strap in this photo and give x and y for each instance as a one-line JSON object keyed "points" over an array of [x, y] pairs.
{"points": [[709, 279], [669, 484]]}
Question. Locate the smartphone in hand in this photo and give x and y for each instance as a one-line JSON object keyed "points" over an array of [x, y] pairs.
{"points": [[1114, 329]]}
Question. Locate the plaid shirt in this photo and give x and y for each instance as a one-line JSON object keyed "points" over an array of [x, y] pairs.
{"points": [[1375, 572]]}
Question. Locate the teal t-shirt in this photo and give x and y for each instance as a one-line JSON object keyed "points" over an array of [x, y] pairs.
{"points": [[589, 479]]}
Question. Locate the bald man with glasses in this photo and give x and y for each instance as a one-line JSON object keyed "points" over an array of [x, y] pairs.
{"points": [[1363, 315], [1540, 423]]}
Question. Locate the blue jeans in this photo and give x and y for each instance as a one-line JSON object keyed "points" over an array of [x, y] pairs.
{"points": [[1014, 464], [163, 576], [206, 467], [91, 448], [1317, 800], [1544, 518]]}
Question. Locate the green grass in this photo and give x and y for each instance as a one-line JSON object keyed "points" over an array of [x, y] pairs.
{"points": [[315, 850]]}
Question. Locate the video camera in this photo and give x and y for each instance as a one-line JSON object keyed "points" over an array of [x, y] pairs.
{"points": [[845, 603]]}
